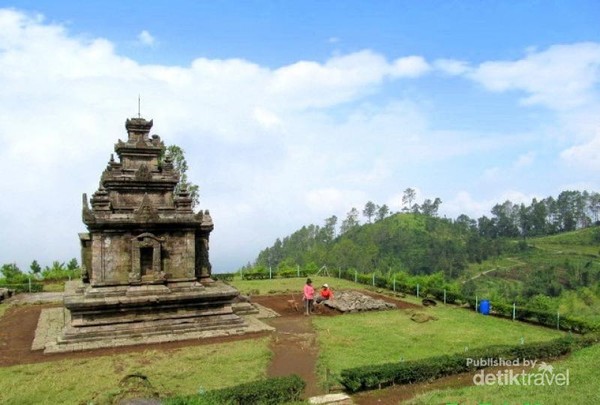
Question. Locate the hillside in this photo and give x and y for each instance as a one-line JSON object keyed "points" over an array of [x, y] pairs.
{"points": [[558, 272]]}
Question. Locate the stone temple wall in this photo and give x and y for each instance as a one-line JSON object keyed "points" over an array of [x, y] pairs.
{"points": [[145, 255]]}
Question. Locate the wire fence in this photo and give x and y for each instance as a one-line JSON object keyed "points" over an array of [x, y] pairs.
{"points": [[444, 295]]}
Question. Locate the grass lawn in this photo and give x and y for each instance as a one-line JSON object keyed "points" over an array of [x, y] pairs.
{"points": [[344, 341], [54, 287], [583, 387], [285, 285], [181, 371], [3, 308], [373, 338]]}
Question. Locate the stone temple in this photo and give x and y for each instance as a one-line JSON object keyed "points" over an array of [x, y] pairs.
{"points": [[145, 256]]}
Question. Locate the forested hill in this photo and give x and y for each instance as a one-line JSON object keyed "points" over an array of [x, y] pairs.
{"points": [[415, 243], [545, 255], [418, 242]]}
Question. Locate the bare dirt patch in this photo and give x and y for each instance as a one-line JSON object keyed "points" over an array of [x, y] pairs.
{"points": [[279, 303]]}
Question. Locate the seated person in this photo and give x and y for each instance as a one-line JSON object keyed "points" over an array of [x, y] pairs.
{"points": [[325, 294]]}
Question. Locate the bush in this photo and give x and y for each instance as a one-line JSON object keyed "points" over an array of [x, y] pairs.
{"points": [[370, 377], [291, 273], [545, 318], [270, 391], [407, 284], [23, 286], [451, 297], [223, 276], [255, 274]]}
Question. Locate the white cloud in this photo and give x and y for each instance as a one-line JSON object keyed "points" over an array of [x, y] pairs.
{"points": [[329, 201], [341, 79], [524, 160], [452, 67], [464, 203], [586, 155], [271, 149], [266, 118], [146, 39], [410, 66], [251, 145], [561, 77]]}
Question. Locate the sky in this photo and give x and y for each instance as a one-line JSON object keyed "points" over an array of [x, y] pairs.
{"points": [[290, 112]]}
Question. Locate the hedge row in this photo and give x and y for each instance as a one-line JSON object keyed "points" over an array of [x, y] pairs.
{"points": [[223, 276], [264, 275], [543, 318], [376, 376], [270, 391], [24, 287]]}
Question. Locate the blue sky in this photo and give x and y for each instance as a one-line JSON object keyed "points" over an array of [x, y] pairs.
{"points": [[290, 112]]}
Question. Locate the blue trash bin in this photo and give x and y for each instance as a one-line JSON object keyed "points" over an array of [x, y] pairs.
{"points": [[484, 307]]}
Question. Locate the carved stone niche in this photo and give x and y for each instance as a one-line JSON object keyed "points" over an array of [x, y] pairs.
{"points": [[146, 259]]}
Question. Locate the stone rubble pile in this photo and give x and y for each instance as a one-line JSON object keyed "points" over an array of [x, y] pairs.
{"points": [[353, 301]]}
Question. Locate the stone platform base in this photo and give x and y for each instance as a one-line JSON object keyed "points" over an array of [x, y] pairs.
{"points": [[107, 316], [52, 322]]}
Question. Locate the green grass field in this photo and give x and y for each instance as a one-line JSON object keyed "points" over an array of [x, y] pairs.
{"points": [[97, 380], [344, 341], [583, 387], [372, 338], [287, 285], [3, 308]]}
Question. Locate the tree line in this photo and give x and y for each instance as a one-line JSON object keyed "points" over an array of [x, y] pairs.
{"points": [[418, 241], [11, 274]]}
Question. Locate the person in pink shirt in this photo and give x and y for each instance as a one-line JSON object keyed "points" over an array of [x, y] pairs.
{"points": [[309, 296]]}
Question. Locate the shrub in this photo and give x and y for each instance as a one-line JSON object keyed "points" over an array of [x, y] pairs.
{"points": [[375, 376], [223, 276], [58, 271], [269, 391], [291, 273], [257, 273], [23, 286]]}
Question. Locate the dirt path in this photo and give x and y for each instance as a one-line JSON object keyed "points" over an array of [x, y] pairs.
{"points": [[295, 351], [483, 273], [294, 345]]}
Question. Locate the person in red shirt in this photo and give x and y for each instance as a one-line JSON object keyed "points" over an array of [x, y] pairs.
{"points": [[309, 297], [326, 294]]}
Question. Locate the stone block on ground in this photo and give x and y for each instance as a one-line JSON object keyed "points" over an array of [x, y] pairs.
{"points": [[354, 301]]}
